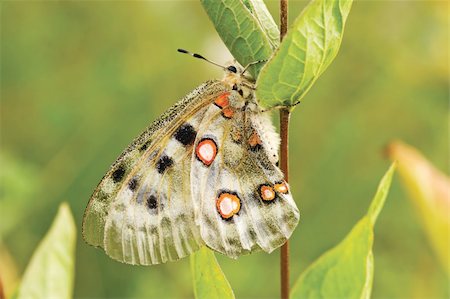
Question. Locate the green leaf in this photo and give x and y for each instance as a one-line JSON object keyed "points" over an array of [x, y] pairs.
{"points": [[265, 20], [429, 191], [346, 271], [248, 38], [2, 294], [307, 50], [380, 196], [8, 272], [50, 273], [209, 280]]}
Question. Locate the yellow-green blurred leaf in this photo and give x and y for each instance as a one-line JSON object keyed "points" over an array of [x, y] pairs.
{"points": [[2, 294], [429, 191], [346, 271], [242, 32], [380, 196], [209, 280], [8, 271], [50, 273], [307, 50]]}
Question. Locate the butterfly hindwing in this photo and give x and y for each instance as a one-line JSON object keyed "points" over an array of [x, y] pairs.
{"points": [[142, 212], [242, 200]]}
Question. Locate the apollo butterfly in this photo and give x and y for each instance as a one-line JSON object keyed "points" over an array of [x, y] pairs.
{"points": [[204, 173]]}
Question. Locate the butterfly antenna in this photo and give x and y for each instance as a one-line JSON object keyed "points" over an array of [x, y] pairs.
{"points": [[199, 57], [253, 63]]}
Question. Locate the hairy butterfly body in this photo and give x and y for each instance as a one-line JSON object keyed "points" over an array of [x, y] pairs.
{"points": [[204, 173]]}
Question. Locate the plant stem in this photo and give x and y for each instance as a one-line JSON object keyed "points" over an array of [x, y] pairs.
{"points": [[284, 164], [284, 160], [283, 18]]}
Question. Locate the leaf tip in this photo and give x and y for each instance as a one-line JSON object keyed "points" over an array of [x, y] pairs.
{"points": [[64, 214], [380, 196]]}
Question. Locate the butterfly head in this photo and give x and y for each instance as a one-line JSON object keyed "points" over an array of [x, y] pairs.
{"points": [[236, 79]]}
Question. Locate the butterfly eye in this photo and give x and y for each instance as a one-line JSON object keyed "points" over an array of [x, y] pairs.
{"points": [[232, 69]]}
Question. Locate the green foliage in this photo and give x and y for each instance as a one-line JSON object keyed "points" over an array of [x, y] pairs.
{"points": [[50, 273], [246, 28], [209, 280], [264, 18], [346, 271], [307, 50], [250, 34]]}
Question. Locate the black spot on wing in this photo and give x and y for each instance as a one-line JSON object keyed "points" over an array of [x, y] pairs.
{"points": [[257, 147], [132, 184], [118, 174], [145, 146], [185, 134], [163, 163], [152, 202]]}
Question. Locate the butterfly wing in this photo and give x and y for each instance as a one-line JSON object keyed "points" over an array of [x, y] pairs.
{"points": [[142, 211], [242, 199]]}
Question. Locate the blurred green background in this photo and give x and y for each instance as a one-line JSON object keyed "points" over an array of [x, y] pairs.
{"points": [[80, 79]]}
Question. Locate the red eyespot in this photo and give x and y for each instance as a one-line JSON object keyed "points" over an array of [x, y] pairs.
{"points": [[282, 187], [228, 204], [206, 151], [267, 192]]}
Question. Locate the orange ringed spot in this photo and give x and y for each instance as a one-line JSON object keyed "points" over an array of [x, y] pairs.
{"points": [[222, 100], [267, 192], [228, 204], [227, 112], [206, 151], [254, 140], [282, 187]]}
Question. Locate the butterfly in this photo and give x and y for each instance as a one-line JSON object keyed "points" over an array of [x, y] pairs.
{"points": [[203, 173]]}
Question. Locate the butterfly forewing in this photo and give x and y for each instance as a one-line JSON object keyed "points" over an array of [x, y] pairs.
{"points": [[142, 211]]}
